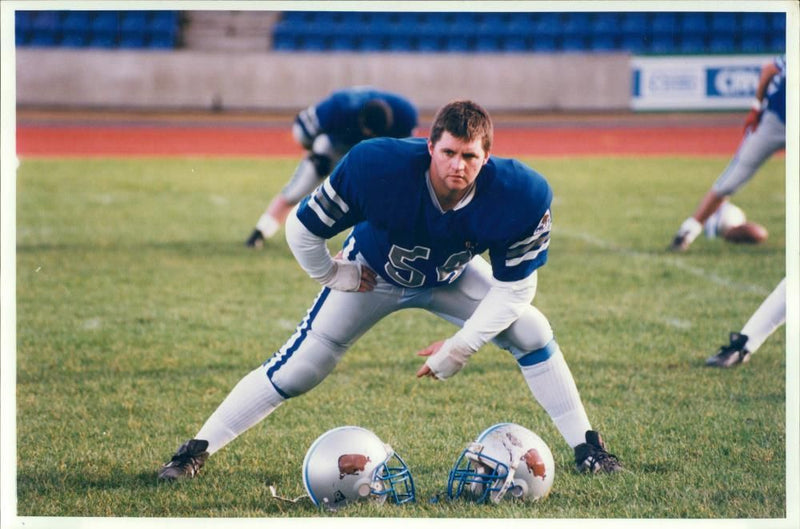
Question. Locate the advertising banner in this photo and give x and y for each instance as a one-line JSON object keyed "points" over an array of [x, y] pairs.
{"points": [[695, 83]]}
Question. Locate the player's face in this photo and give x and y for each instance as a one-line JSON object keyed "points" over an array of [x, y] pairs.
{"points": [[455, 165]]}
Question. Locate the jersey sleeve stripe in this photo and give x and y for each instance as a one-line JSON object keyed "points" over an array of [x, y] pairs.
{"points": [[331, 192], [323, 217], [529, 252]]}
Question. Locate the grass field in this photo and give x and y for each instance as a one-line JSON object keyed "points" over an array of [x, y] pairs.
{"points": [[139, 308]]}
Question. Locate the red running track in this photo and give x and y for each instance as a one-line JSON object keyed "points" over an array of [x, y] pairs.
{"points": [[35, 140]]}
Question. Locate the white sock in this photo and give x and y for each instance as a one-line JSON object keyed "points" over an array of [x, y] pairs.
{"points": [[267, 225], [690, 229], [554, 388], [770, 315], [250, 401]]}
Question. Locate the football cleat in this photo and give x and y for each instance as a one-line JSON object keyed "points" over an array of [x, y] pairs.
{"points": [[732, 354], [186, 462], [592, 456], [680, 243], [256, 239]]}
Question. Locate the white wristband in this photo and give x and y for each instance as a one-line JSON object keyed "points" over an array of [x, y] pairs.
{"points": [[343, 275], [756, 104], [450, 358]]}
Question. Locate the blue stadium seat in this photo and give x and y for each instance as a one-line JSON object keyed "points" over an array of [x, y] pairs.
{"points": [[74, 39], [22, 27], [724, 23], [777, 22], [77, 21], [547, 24], [515, 43], [635, 43], [103, 40], [372, 42], [722, 43], [603, 42], [573, 43], [543, 43], [134, 24], [754, 23], [607, 24], [756, 43], [664, 23], [692, 43], [577, 24], [776, 43], [105, 23], [635, 23], [662, 43], [489, 43], [694, 24]]}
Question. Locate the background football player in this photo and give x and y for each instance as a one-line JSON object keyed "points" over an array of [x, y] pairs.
{"points": [[764, 134], [327, 131]]}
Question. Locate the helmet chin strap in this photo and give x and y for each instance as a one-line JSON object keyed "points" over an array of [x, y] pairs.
{"points": [[508, 483], [274, 494]]}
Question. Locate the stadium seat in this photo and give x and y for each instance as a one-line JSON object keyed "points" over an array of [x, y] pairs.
{"points": [[664, 23], [753, 44], [573, 43], [77, 22], [105, 23], [543, 43], [606, 24], [777, 22], [635, 43], [754, 23], [576, 24], [692, 43], [776, 43], [722, 43], [603, 42], [694, 24], [662, 43], [634, 24], [724, 23]]}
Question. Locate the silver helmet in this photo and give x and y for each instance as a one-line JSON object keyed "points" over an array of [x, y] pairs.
{"points": [[505, 459], [351, 463]]}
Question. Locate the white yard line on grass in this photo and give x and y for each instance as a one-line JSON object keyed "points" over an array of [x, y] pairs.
{"points": [[676, 262]]}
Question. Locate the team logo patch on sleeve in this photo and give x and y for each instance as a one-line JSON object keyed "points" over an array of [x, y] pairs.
{"points": [[529, 248]]}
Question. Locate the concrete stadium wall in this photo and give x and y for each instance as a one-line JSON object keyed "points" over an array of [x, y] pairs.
{"points": [[290, 81]]}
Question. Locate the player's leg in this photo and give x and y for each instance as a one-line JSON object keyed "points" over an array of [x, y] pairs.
{"points": [[310, 172], [335, 320], [530, 340], [756, 147], [767, 318]]}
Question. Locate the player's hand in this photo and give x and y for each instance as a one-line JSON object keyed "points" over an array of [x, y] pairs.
{"points": [[425, 370], [751, 121], [445, 358], [350, 276]]}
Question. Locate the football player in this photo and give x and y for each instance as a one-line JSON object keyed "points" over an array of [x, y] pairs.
{"points": [[327, 131], [421, 212], [767, 318], [764, 134]]}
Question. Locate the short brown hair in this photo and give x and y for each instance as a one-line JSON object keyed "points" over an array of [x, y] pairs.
{"points": [[465, 120]]}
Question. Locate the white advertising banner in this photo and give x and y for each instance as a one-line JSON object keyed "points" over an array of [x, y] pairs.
{"points": [[695, 83]]}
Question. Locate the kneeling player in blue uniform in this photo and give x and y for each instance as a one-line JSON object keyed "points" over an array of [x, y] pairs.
{"points": [[421, 213], [327, 131]]}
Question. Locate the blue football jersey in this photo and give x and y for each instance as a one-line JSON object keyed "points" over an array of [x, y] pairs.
{"points": [[338, 114], [776, 90], [381, 190]]}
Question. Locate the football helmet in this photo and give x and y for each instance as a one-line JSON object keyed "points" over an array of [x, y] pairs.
{"points": [[726, 217], [505, 459], [351, 463]]}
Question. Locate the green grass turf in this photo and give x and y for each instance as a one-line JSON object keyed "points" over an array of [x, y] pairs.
{"points": [[139, 308]]}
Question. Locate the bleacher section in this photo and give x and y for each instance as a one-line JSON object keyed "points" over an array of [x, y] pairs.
{"points": [[640, 33], [637, 32], [98, 29]]}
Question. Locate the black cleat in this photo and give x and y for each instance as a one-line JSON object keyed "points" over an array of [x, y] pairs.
{"points": [[186, 462], [680, 243], [592, 457], [256, 239], [732, 354]]}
